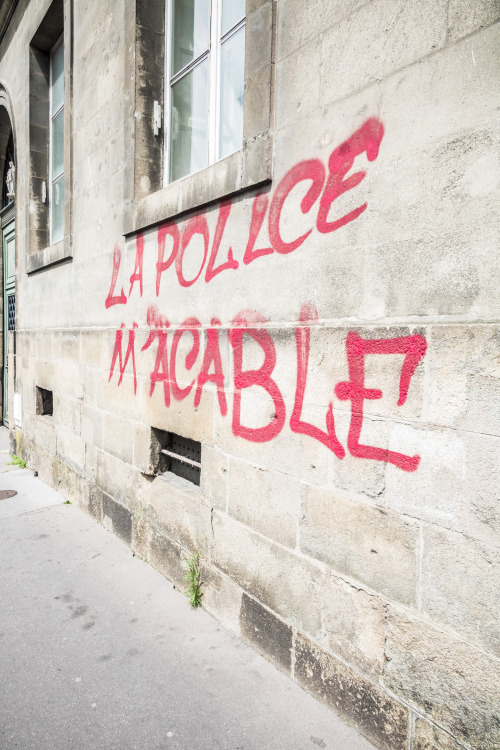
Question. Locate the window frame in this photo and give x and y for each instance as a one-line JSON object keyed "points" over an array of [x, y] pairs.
{"points": [[48, 27], [212, 53], [147, 201], [53, 115]]}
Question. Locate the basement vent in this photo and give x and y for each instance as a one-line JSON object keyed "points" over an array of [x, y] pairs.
{"points": [[179, 455], [44, 402]]}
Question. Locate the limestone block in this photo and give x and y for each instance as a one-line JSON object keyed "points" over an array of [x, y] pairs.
{"points": [[298, 22], [44, 345], [290, 453], [353, 624], [91, 348], [374, 546], [298, 83], [267, 501], [363, 476], [214, 469], [181, 417], [429, 737], [70, 449], [140, 537], [44, 433], [375, 714], [118, 437], [67, 413], [176, 508], [455, 684], [464, 377], [92, 428], [375, 41], [143, 458], [221, 597], [116, 478], [266, 633], [166, 557], [117, 519], [461, 586], [443, 102], [466, 18], [452, 486], [286, 583], [68, 344]]}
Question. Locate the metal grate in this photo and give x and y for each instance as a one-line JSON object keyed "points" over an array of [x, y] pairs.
{"points": [[182, 456], [11, 310]]}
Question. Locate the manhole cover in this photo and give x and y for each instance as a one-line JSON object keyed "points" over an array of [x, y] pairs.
{"points": [[4, 494]]}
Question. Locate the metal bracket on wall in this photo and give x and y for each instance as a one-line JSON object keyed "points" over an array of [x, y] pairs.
{"points": [[156, 118]]}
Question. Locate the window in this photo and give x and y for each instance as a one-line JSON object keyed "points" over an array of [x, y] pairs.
{"points": [[205, 62], [193, 60], [56, 158], [50, 149]]}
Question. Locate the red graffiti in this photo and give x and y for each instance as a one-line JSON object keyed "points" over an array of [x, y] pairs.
{"points": [[326, 184], [261, 377], [414, 348], [250, 324], [117, 354], [119, 299]]}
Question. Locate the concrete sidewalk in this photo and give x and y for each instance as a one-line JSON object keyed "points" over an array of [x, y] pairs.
{"points": [[99, 652]]}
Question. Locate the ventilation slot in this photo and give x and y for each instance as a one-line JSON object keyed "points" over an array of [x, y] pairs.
{"points": [[179, 455], [44, 402]]}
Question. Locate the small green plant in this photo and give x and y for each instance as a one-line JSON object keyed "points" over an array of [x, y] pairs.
{"points": [[17, 461], [67, 502], [192, 577]]}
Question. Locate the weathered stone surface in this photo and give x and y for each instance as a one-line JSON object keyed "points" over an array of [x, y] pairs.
{"points": [[379, 717], [353, 624], [429, 737], [221, 597], [117, 518], [266, 633], [174, 506], [466, 18], [452, 485], [461, 586], [166, 557], [213, 483], [267, 501], [374, 546], [455, 684], [286, 583], [377, 40], [464, 377]]}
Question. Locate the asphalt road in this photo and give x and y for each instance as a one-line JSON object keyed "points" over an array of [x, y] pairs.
{"points": [[99, 652]]}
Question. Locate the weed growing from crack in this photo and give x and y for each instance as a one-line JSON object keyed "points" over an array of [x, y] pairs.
{"points": [[17, 461], [192, 577]]}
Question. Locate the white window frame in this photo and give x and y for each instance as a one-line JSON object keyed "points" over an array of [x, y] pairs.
{"points": [[213, 120], [52, 116]]}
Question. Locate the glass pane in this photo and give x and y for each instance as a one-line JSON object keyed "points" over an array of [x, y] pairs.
{"points": [[57, 144], [232, 12], [190, 31], [188, 128], [232, 69], [57, 210], [57, 61]]}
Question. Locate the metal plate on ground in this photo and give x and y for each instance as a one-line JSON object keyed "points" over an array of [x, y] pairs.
{"points": [[5, 494]]}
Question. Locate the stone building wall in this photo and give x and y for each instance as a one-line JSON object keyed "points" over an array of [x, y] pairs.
{"points": [[319, 312]]}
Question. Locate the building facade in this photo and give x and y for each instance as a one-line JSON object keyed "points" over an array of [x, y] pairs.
{"points": [[250, 296]]}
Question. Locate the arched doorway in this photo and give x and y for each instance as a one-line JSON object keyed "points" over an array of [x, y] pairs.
{"points": [[8, 164]]}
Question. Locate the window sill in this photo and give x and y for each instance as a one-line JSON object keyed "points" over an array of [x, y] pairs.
{"points": [[247, 168], [61, 250]]}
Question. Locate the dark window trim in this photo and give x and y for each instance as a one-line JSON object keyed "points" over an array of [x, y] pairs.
{"points": [[146, 200]]}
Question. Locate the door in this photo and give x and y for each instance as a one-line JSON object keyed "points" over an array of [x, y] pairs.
{"points": [[9, 305]]}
